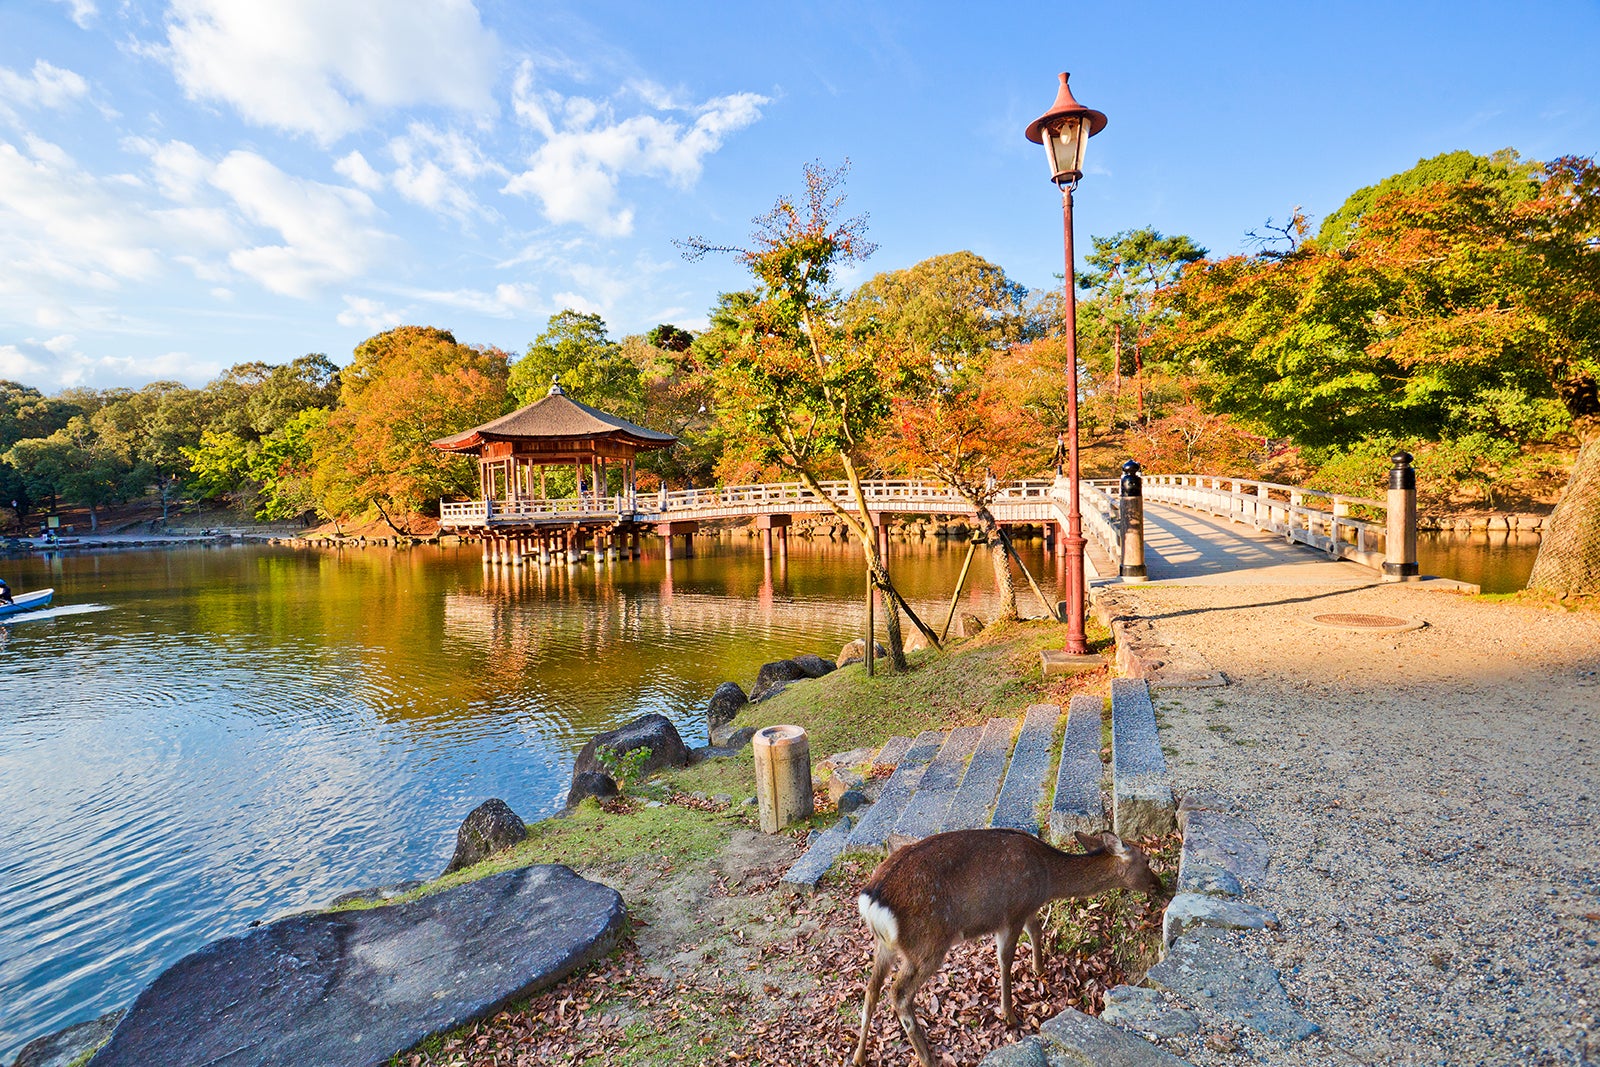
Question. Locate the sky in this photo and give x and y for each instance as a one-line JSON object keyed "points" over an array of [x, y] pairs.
{"points": [[193, 184]]}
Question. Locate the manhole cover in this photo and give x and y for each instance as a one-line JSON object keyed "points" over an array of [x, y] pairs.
{"points": [[1386, 624]]}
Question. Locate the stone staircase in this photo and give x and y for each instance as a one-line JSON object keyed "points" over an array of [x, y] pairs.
{"points": [[1041, 773]]}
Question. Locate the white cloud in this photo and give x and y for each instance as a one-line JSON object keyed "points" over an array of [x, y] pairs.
{"points": [[48, 86], [506, 300], [355, 167], [83, 12], [61, 224], [326, 237], [587, 149], [322, 66], [369, 315], [431, 166]]}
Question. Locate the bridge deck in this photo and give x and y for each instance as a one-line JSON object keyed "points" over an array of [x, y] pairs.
{"points": [[1187, 546]]}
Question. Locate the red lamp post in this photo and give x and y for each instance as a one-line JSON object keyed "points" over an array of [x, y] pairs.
{"points": [[1064, 131]]}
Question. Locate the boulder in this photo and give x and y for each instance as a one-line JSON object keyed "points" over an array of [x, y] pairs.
{"points": [[491, 827], [352, 988], [590, 784], [773, 677], [856, 651], [814, 665], [66, 1047], [654, 732], [971, 625], [724, 705]]}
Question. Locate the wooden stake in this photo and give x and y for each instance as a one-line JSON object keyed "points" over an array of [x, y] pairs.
{"points": [[961, 583]]}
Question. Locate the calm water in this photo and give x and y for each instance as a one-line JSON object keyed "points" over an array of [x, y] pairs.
{"points": [[195, 739], [1500, 563], [199, 738]]}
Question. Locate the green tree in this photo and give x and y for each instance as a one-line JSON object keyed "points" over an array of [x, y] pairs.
{"points": [[799, 390], [575, 348], [405, 388], [73, 465], [1128, 274], [1513, 178]]}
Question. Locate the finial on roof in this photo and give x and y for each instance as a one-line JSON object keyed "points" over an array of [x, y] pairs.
{"points": [[555, 386]]}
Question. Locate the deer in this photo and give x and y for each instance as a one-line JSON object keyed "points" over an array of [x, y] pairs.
{"points": [[963, 884]]}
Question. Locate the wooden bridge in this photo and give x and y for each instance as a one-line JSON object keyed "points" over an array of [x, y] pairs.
{"points": [[1183, 526]]}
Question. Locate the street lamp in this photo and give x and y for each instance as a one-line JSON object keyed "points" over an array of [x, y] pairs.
{"points": [[1064, 131]]}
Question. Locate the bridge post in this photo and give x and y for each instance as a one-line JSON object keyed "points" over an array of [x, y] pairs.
{"points": [[1400, 544], [1130, 515]]}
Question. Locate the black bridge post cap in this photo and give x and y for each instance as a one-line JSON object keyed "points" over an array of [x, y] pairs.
{"points": [[1403, 475], [1132, 484]]}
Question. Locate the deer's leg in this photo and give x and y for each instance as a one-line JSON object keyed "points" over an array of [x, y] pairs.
{"points": [[882, 959], [1005, 946], [1033, 927], [906, 983]]}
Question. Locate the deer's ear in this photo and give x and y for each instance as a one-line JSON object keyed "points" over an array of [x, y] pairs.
{"points": [[1114, 844], [1089, 842]]}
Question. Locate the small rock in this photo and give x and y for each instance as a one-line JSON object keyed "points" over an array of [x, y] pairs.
{"points": [[491, 827], [725, 703], [774, 676], [852, 800], [654, 732], [814, 665], [65, 1047], [971, 625], [856, 651], [590, 784]]}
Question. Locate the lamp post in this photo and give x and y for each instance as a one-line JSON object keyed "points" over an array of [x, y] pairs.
{"points": [[1064, 131]]}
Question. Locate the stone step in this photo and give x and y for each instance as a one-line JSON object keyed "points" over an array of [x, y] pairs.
{"points": [[1077, 805], [892, 752], [1141, 797], [873, 831], [1023, 789], [925, 813], [826, 847], [981, 784]]}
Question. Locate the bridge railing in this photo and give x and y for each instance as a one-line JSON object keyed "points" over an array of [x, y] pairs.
{"points": [[1345, 527], [531, 509]]}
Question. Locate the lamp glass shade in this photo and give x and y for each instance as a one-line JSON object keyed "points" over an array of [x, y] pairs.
{"points": [[1065, 141]]}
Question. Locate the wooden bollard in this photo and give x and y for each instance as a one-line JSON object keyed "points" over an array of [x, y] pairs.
{"points": [[783, 776]]}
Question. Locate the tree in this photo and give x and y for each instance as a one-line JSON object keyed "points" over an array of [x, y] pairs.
{"points": [[956, 417], [405, 388], [26, 414], [796, 388], [74, 465], [151, 430], [1128, 273], [575, 348], [1512, 177]]}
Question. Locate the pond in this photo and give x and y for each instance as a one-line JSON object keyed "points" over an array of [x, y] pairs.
{"points": [[194, 739]]}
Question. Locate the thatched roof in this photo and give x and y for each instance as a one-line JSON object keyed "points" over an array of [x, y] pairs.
{"points": [[556, 417]]}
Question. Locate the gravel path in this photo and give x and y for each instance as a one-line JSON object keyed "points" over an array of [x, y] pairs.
{"points": [[1429, 798]]}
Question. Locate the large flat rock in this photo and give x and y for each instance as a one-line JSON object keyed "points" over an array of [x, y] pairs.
{"points": [[350, 989], [873, 831], [1204, 969], [924, 815]]}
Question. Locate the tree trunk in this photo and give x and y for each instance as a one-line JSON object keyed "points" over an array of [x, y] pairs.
{"points": [[94, 517], [1569, 553], [1004, 586], [891, 611]]}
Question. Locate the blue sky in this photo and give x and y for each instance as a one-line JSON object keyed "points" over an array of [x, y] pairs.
{"points": [[189, 185]]}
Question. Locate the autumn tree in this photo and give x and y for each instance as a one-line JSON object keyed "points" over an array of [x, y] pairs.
{"points": [[405, 388], [957, 414], [798, 389]]}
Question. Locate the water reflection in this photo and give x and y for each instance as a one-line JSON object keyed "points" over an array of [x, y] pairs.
{"points": [[248, 731]]}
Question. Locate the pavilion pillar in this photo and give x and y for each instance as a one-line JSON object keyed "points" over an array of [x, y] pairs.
{"points": [[766, 544], [783, 544], [574, 547], [666, 541], [487, 546], [544, 550]]}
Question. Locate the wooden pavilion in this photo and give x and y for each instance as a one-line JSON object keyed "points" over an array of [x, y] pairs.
{"points": [[554, 431], [514, 453]]}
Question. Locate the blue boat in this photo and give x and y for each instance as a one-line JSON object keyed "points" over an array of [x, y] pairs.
{"points": [[39, 598]]}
